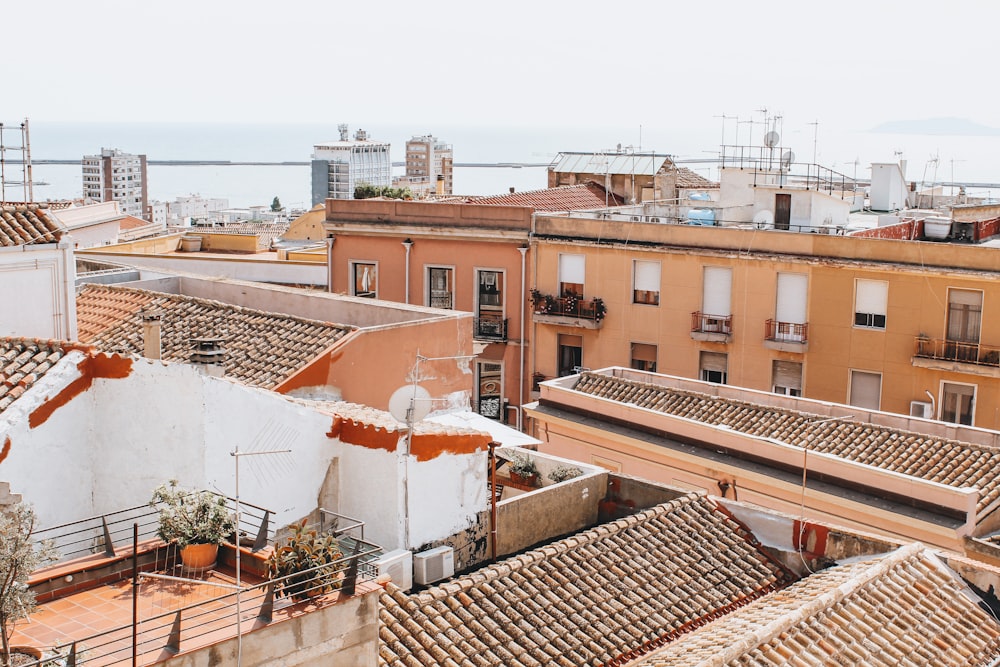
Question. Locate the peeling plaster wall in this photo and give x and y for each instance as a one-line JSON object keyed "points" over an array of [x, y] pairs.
{"points": [[446, 493], [50, 466], [371, 489], [107, 448]]}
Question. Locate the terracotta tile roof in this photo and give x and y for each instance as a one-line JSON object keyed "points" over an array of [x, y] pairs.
{"points": [[265, 232], [582, 196], [906, 608], [262, 349], [24, 224], [686, 178], [130, 222], [23, 361], [586, 599], [951, 462]]}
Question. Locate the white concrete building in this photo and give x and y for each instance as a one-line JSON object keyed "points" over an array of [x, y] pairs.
{"points": [[889, 190], [117, 176], [338, 167], [37, 274]]}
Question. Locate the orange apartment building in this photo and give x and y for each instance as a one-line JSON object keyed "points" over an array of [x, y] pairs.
{"points": [[469, 255], [449, 256], [901, 326]]}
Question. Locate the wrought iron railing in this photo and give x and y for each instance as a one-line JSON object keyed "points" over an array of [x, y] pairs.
{"points": [[209, 621], [786, 332], [102, 533], [490, 328], [705, 323], [568, 306], [953, 350]]}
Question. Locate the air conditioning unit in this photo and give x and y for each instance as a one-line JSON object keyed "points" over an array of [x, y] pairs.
{"points": [[921, 409], [433, 565], [397, 564]]}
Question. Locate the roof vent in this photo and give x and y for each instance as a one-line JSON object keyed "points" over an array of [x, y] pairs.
{"points": [[209, 355]]}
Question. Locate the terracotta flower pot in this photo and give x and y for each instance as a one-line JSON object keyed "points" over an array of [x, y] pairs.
{"points": [[530, 480], [199, 557], [24, 655]]}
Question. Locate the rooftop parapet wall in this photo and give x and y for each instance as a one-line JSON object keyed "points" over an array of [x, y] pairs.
{"points": [[428, 214], [848, 249]]}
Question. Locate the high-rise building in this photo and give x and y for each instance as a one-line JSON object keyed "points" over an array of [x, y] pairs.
{"points": [[429, 165], [338, 167], [117, 176]]}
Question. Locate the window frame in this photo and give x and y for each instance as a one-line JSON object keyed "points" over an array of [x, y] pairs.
{"points": [[866, 320], [646, 297], [429, 285], [352, 277], [850, 387], [943, 402]]}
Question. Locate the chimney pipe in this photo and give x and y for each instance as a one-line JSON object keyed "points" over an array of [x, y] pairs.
{"points": [[512, 189], [440, 184], [209, 356], [151, 338]]}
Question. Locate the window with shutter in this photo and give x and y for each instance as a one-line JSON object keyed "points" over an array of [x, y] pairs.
{"points": [[866, 389], [646, 282], [644, 357], [870, 303], [572, 269], [958, 403], [714, 367]]}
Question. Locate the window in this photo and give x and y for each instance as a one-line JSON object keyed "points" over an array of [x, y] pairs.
{"points": [[572, 269], [490, 397], [965, 310], [644, 357], [364, 279], [646, 282], [865, 390], [717, 291], [490, 290], [439, 287], [713, 367], [870, 299], [570, 354], [790, 309], [786, 378], [959, 401]]}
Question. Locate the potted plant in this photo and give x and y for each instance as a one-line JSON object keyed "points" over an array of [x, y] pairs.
{"points": [[307, 564], [197, 521], [523, 469], [19, 557], [562, 473]]}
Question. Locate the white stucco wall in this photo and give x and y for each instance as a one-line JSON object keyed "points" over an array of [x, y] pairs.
{"points": [[252, 268], [445, 494], [371, 489]]}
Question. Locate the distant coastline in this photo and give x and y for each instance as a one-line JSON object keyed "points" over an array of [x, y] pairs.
{"points": [[286, 163]]}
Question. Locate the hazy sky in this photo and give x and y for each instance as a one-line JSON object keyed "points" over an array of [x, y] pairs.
{"points": [[850, 63]]}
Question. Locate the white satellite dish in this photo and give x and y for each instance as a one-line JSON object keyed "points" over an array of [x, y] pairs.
{"points": [[787, 158], [406, 396], [764, 220], [771, 139]]}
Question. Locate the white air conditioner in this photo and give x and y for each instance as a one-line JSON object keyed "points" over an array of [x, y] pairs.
{"points": [[397, 564], [433, 565], [921, 409]]}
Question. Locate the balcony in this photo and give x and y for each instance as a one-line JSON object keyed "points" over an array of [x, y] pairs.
{"points": [[492, 328], [441, 300], [568, 310], [711, 328], [786, 336], [958, 356]]}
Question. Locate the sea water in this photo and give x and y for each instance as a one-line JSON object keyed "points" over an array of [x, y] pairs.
{"points": [[930, 158]]}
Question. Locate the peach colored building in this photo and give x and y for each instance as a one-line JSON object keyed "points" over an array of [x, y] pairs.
{"points": [[470, 256], [901, 326], [899, 476]]}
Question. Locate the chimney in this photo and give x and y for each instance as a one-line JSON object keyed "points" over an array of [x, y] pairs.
{"points": [[512, 189], [440, 184], [151, 322], [209, 356]]}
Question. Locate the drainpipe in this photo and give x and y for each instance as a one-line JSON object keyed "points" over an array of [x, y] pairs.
{"points": [[407, 244], [520, 385], [493, 498], [329, 264]]}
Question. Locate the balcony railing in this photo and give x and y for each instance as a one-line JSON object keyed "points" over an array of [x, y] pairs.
{"points": [[568, 306], [953, 350], [786, 332], [705, 323], [441, 300], [490, 328]]}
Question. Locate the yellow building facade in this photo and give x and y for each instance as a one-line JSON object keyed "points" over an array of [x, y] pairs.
{"points": [[901, 326]]}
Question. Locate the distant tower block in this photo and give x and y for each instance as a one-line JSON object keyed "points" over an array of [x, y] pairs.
{"points": [[338, 167], [117, 176]]}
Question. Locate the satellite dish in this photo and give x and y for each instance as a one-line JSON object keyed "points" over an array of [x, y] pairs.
{"points": [[787, 158], [406, 396], [771, 139], [764, 220]]}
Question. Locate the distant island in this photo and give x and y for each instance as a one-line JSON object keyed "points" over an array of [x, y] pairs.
{"points": [[936, 126]]}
